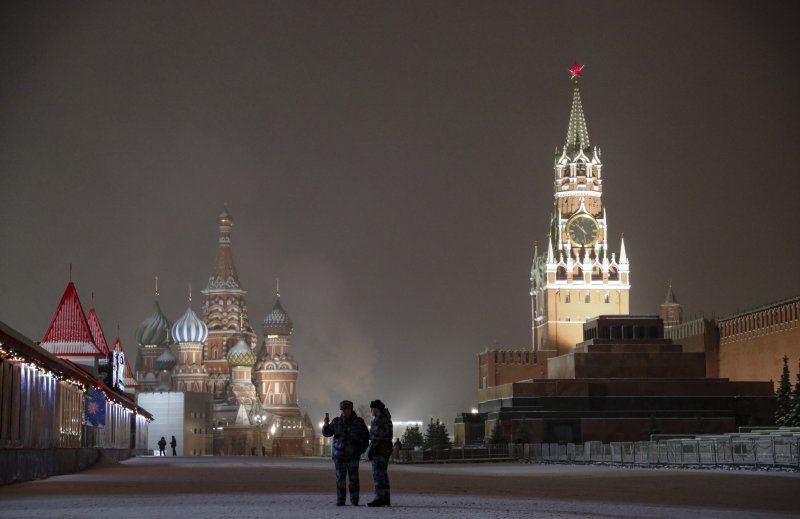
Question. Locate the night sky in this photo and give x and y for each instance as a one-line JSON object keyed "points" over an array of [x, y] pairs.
{"points": [[391, 162]]}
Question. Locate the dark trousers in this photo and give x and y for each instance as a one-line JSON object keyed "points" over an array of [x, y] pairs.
{"points": [[380, 477], [174, 452], [346, 469]]}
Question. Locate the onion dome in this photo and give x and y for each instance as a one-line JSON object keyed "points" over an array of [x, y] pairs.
{"points": [[154, 330], [166, 361], [241, 354], [189, 328], [278, 322]]}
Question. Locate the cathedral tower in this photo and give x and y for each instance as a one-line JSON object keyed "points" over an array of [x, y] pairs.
{"points": [[190, 333], [276, 371], [153, 336], [223, 308], [241, 360], [576, 276]]}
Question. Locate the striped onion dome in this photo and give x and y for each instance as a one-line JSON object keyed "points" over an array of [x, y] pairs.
{"points": [[278, 322], [166, 361], [189, 328], [241, 354], [154, 330]]}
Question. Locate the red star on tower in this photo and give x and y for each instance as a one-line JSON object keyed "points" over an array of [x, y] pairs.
{"points": [[575, 70]]}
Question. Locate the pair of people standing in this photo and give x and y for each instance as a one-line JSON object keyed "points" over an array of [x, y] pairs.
{"points": [[350, 440], [162, 444]]}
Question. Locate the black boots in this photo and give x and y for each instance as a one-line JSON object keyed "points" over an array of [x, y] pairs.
{"points": [[380, 502]]}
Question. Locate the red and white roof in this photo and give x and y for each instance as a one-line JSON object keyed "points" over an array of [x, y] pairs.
{"points": [[68, 333], [97, 332]]}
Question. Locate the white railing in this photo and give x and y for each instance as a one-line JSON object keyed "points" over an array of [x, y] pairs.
{"points": [[736, 450], [745, 451]]}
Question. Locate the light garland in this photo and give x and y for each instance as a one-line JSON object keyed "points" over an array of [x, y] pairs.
{"points": [[11, 355]]}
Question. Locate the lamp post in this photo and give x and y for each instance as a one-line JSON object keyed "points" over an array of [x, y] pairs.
{"points": [[259, 423]]}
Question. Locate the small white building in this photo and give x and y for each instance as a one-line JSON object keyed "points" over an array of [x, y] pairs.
{"points": [[185, 415]]}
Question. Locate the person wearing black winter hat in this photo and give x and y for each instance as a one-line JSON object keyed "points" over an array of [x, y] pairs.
{"points": [[380, 448]]}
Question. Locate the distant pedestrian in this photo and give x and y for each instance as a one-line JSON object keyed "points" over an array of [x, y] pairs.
{"points": [[162, 444], [380, 448], [396, 451], [173, 444], [350, 440]]}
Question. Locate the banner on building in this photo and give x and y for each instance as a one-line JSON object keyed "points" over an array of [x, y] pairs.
{"points": [[96, 409], [118, 377]]}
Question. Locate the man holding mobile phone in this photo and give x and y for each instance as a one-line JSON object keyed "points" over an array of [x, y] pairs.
{"points": [[350, 440]]}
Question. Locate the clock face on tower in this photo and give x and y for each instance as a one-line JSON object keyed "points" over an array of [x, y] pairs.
{"points": [[582, 230]]}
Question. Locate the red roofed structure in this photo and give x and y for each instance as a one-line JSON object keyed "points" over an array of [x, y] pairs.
{"points": [[68, 334], [97, 332]]}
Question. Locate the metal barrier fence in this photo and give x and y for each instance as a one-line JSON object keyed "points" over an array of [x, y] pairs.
{"points": [[774, 451]]}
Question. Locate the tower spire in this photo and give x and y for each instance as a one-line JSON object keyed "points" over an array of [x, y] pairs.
{"points": [[225, 275], [670, 295], [623, 256], [577, 133]]}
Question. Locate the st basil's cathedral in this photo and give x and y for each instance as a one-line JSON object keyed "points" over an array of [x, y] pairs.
{"points": [[230, 397]]}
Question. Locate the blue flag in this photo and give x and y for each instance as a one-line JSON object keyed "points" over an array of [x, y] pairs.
{"points": [[96, 408]]}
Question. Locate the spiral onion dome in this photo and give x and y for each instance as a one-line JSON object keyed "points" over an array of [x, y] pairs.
{"points": [[241, 355], [189, 328], [154, 330], [166, 361], [278, 322]]}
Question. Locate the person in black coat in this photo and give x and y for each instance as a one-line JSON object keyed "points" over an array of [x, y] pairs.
{"points": [[174, 443], [350, 440], [380, 448], [162, 444]]}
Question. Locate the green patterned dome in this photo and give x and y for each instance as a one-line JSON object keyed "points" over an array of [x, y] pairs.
{"points": [[241, 355], [154, 330]]}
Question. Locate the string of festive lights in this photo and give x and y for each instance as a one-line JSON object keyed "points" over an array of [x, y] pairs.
{"points": [[7, 353], [11, 355]]}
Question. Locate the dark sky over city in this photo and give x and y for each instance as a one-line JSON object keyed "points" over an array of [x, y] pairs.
{"points": [[391, 162]]}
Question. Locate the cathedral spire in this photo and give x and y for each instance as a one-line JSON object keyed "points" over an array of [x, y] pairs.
{"points": [[225, 274], [577, 133]]}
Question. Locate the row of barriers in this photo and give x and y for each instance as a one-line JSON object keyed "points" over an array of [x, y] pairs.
{"points": [[756, 451], [744, 451]]}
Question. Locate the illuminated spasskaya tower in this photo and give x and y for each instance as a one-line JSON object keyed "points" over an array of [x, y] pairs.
{"points": [[576, 276]]}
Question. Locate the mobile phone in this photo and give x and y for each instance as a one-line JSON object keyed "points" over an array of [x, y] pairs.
{"points": [[326, 416]]}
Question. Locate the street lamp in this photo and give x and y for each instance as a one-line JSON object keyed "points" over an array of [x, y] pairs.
{"points": [[259, 423]]}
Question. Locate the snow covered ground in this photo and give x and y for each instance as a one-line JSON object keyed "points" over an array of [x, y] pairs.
{"points": [[252, 487], [244, 506]]}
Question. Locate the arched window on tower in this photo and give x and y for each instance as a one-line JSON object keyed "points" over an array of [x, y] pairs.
{"points": [[567, 297]]}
